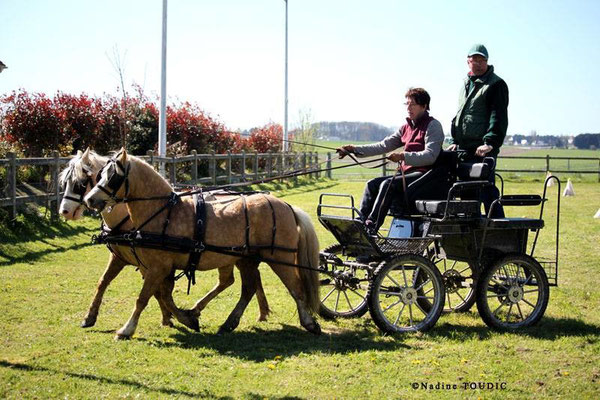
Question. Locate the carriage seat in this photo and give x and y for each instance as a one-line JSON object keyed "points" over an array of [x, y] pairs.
{"points": [[470, 176], [437, 208]]}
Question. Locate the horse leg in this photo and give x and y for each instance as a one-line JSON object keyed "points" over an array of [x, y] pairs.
{"points": [[263, 305], [152, 281], [290, 278], [114, 267], [165, 293], [248, 272], [226, 279]]}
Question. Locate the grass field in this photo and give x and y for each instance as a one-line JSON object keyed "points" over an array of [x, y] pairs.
{"points": [[48, 274]]}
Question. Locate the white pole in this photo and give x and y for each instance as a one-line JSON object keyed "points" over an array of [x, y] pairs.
{"points": [[285, 122], [162, 129]]}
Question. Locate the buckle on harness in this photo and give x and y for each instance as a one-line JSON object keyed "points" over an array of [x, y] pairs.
{"points": [[198, 247]]}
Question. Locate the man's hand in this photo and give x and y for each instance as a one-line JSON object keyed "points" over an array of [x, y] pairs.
{"points": [[396, 157], [483, 150], [345, 150], [452, 147]]}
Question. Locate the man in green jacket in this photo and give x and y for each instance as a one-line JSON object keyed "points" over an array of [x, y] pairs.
{"points": [[480, 124]]}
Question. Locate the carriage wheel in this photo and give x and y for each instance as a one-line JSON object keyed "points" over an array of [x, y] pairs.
{"points": [[343, 289], [513, 293], [459, 284], [396, 291]]}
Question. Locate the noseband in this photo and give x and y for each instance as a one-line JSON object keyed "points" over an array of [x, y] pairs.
{"points": [[115, 181]]}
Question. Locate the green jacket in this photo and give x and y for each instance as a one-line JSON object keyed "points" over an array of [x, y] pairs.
{"points": [[482, 116]]}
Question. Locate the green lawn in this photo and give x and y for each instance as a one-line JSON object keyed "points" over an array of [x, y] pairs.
{"points": [[48, 275]]}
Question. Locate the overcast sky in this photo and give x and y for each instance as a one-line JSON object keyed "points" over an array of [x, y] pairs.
{"points": [[349, 60]]}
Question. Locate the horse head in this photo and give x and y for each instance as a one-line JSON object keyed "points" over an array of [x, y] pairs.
{"points": [[76, 180]]}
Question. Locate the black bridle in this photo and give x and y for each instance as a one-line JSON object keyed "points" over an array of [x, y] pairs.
{"points": [[79, 187], [115, 181]]}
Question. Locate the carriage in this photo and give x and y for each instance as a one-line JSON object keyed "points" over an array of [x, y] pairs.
{"points": [[439, 255]]}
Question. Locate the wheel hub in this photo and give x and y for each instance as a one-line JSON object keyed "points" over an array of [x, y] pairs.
{"points": [[408, 295], [515, 294], [452, 280]]}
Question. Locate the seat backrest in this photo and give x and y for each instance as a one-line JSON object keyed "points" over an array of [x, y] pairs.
{"points": [[474, 171]]}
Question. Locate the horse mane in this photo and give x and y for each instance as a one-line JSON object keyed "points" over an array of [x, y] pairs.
{"points": [[151, 177], [77, 170]]}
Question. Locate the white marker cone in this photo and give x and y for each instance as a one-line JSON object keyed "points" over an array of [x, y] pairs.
{"points": [[551, 181], [597, 214], [569, 189]]}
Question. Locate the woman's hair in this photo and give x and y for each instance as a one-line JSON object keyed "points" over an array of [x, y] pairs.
{"points": [[420, 96]]}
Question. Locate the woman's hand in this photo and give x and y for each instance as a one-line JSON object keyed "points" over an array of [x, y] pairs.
{"points": [[345, 150], [396, 157]]}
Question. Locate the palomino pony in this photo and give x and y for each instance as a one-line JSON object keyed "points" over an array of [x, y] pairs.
{"points": [[147, 192], [77, 179]]}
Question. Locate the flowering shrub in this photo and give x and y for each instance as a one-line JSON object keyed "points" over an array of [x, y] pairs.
{"points": [[37, 125], [266, 138]]}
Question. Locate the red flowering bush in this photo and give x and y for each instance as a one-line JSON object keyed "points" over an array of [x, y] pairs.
{"points": [[32, 123], [37, 125], [266, 138]]}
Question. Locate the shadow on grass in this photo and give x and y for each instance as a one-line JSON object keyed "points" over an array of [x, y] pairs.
{"points": [[36, 255], [259, 344], [549, 328], [34, 227], [111, 381]]}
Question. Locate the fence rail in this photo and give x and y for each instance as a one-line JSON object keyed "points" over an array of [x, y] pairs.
{"points": [[193, 169]]}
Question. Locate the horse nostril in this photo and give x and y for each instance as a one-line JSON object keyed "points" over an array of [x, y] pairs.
{"points": [[65, 212]]}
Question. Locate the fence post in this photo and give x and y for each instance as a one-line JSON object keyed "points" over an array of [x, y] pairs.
{"points": [[280, 164], [213, 167], [173, 171], [547, 163], [55, 172], [270, 164], [599, 170], [150, 154], [384, 169], [195, 167], [243, 166], [295, 166], [317, 165], [328, 173], [12, 183], [304, 162], [228, 166], [255, 165]]}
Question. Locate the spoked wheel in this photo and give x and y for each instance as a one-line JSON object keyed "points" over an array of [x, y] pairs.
{"points": [[513, 293], [343, 288], [397, 291], [459, 284]]}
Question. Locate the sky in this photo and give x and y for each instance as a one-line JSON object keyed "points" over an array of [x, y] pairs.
{"points": [[349, 60]]}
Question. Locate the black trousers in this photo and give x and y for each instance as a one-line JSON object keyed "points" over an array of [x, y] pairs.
{"points": [[375, 203]]}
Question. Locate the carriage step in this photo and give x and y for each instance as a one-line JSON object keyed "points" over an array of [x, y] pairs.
{"points": [[455, 207]]}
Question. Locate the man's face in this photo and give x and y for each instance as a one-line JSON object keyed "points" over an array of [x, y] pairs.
{"points": [[413, 109], [477, 64]]}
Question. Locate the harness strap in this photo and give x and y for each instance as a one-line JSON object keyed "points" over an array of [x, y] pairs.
{"points": [[274, 229], [245, 205], [198, 248]]}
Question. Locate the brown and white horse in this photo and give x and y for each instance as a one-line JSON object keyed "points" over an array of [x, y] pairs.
{"points": [[295, 240], [77, 179]]}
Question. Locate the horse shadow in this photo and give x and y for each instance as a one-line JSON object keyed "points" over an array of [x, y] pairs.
{"points": [[260, 344]]}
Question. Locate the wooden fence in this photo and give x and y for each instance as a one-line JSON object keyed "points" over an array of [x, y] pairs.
{"points": [[191, 170]]}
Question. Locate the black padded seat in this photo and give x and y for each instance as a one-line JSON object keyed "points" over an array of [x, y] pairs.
{"points": [[516, 223], [455, 207]]}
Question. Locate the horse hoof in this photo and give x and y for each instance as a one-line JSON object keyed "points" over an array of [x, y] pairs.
{"points": [[167, 323], [223, 330], [314, 328], [122, 337], [88, 322], [194, 325]]}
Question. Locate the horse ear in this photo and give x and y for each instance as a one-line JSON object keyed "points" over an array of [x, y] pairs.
{"points": [[79, 153], [86, 154], [123, 156]]}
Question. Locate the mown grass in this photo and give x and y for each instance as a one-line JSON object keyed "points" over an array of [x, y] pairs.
{"points": [[48, 273]]}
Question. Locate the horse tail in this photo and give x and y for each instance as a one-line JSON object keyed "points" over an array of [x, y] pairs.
{"points": [[308, 256]]}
